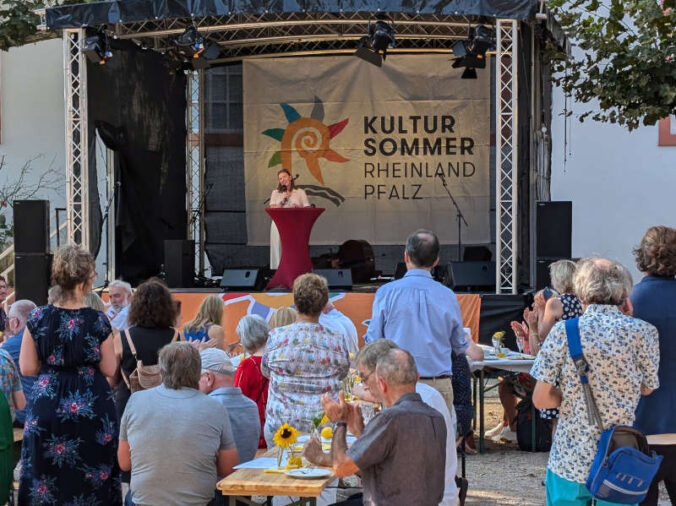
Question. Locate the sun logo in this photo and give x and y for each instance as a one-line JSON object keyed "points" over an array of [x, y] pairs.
{"points": [[308, 137]]}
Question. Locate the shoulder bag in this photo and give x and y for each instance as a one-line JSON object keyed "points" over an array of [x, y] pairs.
{"points": [[624, 465], [144, 376]]}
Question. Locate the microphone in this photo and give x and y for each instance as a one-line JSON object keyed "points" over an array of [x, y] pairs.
{"points": [[283, 188]]}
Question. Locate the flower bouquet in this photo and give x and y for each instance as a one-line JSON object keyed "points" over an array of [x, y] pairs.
{"points": [[285, 436]]}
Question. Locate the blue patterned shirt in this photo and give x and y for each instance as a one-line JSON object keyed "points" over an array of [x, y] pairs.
{"points": [[423, 317], [623, 354], [9, 379]]}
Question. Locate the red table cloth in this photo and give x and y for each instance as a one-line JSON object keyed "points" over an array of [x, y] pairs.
{"points": [[294, 225]]}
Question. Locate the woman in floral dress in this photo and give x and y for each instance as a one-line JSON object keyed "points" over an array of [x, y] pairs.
{"points": [[70, 436], [303, 361]]}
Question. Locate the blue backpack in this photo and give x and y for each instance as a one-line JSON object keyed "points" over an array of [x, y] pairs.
{"points": [[624, 466]]}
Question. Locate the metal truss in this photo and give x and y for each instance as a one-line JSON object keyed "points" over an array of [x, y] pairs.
{"points": [[77, 151], [506, 158], [195, 163], [282, 33]]}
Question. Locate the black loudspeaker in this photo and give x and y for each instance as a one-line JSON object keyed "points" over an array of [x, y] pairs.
{"points": [[477, 254], [337, 278], [554, 229], [32, 276], [179, 263], [242, 279], [31, 226], [474, 276]]}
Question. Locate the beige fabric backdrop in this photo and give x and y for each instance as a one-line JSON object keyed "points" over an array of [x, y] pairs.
{"points": [[367, 143]]}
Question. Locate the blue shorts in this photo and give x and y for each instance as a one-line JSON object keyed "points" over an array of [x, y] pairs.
{"points": [[562, 492]]}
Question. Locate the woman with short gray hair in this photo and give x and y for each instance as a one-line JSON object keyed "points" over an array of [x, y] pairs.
{"points": [[549, 310], [253, 334]]}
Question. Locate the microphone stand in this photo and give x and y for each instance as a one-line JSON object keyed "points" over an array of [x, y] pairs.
{"points": [[459, 216]]}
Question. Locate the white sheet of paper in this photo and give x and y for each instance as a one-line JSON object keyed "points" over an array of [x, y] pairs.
{"points": [[259, 463]]}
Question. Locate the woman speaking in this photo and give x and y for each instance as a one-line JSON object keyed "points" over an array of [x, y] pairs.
{"points": [[286, 195]]}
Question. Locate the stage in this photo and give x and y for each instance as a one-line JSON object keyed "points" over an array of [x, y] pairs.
{"points": [[356, 305]]}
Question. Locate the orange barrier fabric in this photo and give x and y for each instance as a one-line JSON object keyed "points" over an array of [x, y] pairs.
{"points": [[357, 306]]}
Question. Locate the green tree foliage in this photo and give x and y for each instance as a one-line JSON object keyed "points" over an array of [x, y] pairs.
{"points": [[625, 60], [17, 22]]}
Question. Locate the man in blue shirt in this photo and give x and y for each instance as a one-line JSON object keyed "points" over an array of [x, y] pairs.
{"points": [[218, 375], [16, 322], [422, 316]]}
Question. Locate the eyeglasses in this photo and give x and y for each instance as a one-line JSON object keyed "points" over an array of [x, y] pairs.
{"points": [[365, 377]]}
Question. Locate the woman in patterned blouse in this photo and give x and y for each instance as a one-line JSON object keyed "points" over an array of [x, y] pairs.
{"points": [[303, 361]]}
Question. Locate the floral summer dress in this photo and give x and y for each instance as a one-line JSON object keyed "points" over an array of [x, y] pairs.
{"points": [[70, 436]]}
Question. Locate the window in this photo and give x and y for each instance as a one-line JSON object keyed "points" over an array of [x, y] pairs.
{"points": [[223, 106]]}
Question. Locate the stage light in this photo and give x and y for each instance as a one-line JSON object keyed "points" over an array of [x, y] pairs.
{"points": [[373, 47], [470, 54], [97, 48], [190, 42]]}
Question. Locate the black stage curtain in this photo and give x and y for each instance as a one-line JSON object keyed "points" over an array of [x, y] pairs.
{"points": [[138, 105]]}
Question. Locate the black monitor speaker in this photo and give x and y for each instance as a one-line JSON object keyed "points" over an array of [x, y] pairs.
{"points": [[242, 279], [554, 229], [474, 276], [31, 226], [336, 278], [179, 263], [477, 254], [32, 275]]}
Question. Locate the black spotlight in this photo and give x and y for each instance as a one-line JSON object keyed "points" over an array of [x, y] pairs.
{"points": [[373, 47], [470, 54], [97, 48], [190, 43]]}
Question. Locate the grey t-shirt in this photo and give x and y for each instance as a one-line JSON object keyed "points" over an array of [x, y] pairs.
{"points": [[402, 455], [244, 420], [174, 436]]}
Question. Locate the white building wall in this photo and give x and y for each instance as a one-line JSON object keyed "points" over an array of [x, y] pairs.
{"points": [[620, 183], [31, 89], [33, 125]]}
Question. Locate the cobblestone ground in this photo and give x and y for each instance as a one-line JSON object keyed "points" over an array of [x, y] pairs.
{"points": [[504, 475]]}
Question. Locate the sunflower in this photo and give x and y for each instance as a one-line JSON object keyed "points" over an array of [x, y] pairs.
{"points": [[285, 436], [325, 420]]}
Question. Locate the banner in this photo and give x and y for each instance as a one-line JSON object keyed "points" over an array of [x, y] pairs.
{"points": [[374, 146]]}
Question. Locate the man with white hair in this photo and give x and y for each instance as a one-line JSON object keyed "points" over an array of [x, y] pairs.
{"points": [[16, 323], [119, 295], [401, 453], [623, 356], [216, 381]]}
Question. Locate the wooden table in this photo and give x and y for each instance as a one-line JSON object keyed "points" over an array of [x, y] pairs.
{"points": [[249, 482]]}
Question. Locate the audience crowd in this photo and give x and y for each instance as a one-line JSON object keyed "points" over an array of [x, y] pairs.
{"points": [[111, 394]]}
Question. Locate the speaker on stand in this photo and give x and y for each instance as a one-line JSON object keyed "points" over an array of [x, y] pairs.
{"points": [[554, 236]]}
